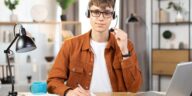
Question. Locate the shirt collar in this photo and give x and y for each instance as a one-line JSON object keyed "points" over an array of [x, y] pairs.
{"points": [[86, 42]]}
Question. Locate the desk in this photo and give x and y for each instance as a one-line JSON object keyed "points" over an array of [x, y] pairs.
{"points": [[23, 90], [150, 93]]}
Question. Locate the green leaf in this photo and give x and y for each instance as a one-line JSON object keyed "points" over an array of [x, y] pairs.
{"points": [[64, 4], [11, 5], [175, 6]]}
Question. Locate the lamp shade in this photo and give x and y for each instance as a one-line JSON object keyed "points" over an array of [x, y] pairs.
{"points": [[132, 19], [25, 44]]}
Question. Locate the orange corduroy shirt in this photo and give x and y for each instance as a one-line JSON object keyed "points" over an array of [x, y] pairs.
{"points": [[74, 65]]}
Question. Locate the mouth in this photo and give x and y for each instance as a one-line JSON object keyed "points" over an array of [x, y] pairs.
{"points": [[100, 24]]}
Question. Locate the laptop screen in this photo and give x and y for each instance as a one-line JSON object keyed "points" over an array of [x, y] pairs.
{"points": [[181, 82]]}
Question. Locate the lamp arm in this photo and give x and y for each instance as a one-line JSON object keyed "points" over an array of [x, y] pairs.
{"points": [[12, 93], [8, 48]]}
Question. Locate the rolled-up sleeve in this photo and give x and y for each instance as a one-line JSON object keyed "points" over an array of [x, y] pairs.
{"points": [[59, 72], [131, 71]]}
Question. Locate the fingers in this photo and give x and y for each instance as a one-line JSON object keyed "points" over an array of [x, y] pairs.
{"points": [[114, 33], [80, 92], [77, 93], [121, 38], [120, 34]]}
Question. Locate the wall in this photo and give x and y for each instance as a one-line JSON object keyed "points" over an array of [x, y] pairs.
{"points": [[137, 33], [23, 10]]}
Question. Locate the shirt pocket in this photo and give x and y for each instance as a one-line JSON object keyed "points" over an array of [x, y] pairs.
{"points": [[125, 72], [75, 75], [78, 70]]}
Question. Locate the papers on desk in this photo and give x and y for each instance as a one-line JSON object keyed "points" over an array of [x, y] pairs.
{"points": [[92, 94], [30, 94], [151, 93]]}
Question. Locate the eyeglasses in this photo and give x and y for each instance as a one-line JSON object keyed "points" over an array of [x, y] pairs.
{"points": [[97, 13]]}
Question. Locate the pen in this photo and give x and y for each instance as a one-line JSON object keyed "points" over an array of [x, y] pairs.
{"points": [[80, 86], [91, 93]]}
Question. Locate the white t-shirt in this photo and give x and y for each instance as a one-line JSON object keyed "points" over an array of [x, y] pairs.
{"points": [[100, 81]]}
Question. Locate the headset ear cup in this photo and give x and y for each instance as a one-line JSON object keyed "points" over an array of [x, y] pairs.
{"points": [[114, 15], [88, 14]]}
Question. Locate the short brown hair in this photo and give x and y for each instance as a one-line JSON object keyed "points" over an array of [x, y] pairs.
{"points": [[102, 3]]}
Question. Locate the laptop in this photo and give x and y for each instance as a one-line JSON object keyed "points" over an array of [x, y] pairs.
{"points": [[181, 82]]}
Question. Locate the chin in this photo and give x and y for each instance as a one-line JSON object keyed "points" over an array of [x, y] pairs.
{"points": [[101, 30]]}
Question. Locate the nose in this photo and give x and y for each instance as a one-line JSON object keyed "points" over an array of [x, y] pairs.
{"points": [[101, 17]]}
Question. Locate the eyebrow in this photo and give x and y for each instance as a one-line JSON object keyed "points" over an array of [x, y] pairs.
{"points": [[101, 10]]}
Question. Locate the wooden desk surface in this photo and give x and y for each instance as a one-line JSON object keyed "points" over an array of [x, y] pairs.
{"points": [[95, 94], [116, 94], [150, 93], [23, 90]]}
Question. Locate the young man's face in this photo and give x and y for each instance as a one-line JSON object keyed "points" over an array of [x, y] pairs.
{"points": [[100, 19]]}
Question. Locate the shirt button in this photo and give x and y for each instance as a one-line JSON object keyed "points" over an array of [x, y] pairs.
{"points": [[90, 73], [91, 59], [73, 69], [87, 87]]}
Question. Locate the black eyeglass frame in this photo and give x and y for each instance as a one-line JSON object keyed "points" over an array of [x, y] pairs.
{"points": [[106, 14]]}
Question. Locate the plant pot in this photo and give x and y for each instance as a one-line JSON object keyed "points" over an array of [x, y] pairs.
{"points": [[179, 17], [162, 16], [63, 17], [13, 17]]}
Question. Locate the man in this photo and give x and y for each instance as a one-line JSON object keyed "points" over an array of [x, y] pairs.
{"points": [[97, 61]]}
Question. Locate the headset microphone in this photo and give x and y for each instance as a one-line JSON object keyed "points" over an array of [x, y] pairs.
{"points": [[112, 29]]}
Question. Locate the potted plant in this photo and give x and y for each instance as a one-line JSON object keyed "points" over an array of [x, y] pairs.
{"points": [[178, 8], [64, 4], [12, 6]]}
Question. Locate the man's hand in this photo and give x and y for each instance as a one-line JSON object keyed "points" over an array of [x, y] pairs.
{"points": [[79, 91], [121, 38]]}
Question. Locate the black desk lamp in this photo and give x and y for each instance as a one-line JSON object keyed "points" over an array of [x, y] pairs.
{"points": [[132, 19], [23, 44]]}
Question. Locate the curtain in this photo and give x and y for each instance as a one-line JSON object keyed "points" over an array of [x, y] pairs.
{"points": [[72, 15], [137, 34], [73, 12]]}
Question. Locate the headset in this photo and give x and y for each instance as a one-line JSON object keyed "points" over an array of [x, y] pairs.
{"points": [[87, 13]]}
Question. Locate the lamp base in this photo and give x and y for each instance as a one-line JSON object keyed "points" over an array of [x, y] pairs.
{"points": [[12, 94]]}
